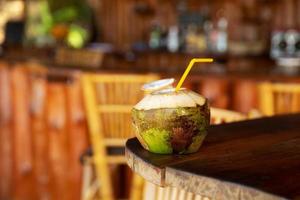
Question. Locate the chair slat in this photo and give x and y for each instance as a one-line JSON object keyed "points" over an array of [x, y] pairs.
{"points": [[279, 98], [110, 108], [97, 139]]}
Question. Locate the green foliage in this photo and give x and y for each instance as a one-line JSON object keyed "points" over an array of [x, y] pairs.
{"points": [[64, 15], [67, 11], [46, 19], [77, 36]]}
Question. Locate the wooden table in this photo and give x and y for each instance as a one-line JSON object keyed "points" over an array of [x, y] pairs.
{"points": [[256, 159]]}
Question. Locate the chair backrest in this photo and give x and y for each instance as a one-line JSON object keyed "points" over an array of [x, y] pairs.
{"points": [[279, 98], [220, 116], [108, 100], [112, 97]]}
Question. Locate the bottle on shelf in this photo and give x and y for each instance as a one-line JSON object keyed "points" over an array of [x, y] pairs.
{"points": [[222, 39], [217, 36], [208, 30], [155, 37], [173, 39], [163, 38], [200, 43], [191, 39]]}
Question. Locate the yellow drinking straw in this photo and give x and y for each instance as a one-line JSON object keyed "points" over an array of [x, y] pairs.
{"points": [[189, 67]]}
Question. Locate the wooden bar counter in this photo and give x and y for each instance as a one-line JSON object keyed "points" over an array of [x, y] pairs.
{"points": [[255, 159]]}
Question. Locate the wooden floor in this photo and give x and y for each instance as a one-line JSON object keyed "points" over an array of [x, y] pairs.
{"points": [[42, 135]]}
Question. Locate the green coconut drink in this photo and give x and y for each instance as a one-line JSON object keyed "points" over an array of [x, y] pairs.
{"points": [[166, 121]]}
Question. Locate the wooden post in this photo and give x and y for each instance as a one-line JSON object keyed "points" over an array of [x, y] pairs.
{"points": [[77, 135], [38, 96], [6, 149], [23, 174], [58, 140]]}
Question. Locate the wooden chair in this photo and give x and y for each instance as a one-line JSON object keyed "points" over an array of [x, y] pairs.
{"points": [[109, 99], [279, 98]]}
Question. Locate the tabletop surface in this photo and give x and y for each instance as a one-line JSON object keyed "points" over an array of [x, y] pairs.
{"points": [[261, 154]]}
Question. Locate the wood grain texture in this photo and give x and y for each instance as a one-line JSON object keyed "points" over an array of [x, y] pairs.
{"points": [[124, 22], [23, 158], [40, 137], [242, 160], [42, 134], [77, 136], [58, 140], [279, 98], [6, 149]]}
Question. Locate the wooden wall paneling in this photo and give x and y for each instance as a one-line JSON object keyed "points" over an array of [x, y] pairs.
{"points": [[77, 135], [151, 61], [171, 13], [38, 97], [117, 24], [217, 91], [278, 21], [134, 23], [168, 62], [113, 21], [130, 24], [106, 15], [107, 30], [101, 20], [123, 24], [6, 149], [250, 9], [130, 17], [244, 96], [289, 13], [267, 15], [104, 19], [163, 61], [58, 140], [137, 23], [298, 13], [23, 161]]}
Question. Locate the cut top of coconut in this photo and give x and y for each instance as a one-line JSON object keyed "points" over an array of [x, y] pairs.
{"points": [[169, 98], [158, 85]]}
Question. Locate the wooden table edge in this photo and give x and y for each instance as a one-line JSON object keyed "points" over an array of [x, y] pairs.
{"points": [[151, 173], [194, 183], [197, 184], [213, 188]]}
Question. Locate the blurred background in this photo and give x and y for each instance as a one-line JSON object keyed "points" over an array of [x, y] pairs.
{"points": [[46, 46]]}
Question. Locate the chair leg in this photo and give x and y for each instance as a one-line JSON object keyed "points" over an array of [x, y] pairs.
{"points": [[86, 180], [136, 192], [89, 187], [103, 177], [97, 141], [93, 191]]}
